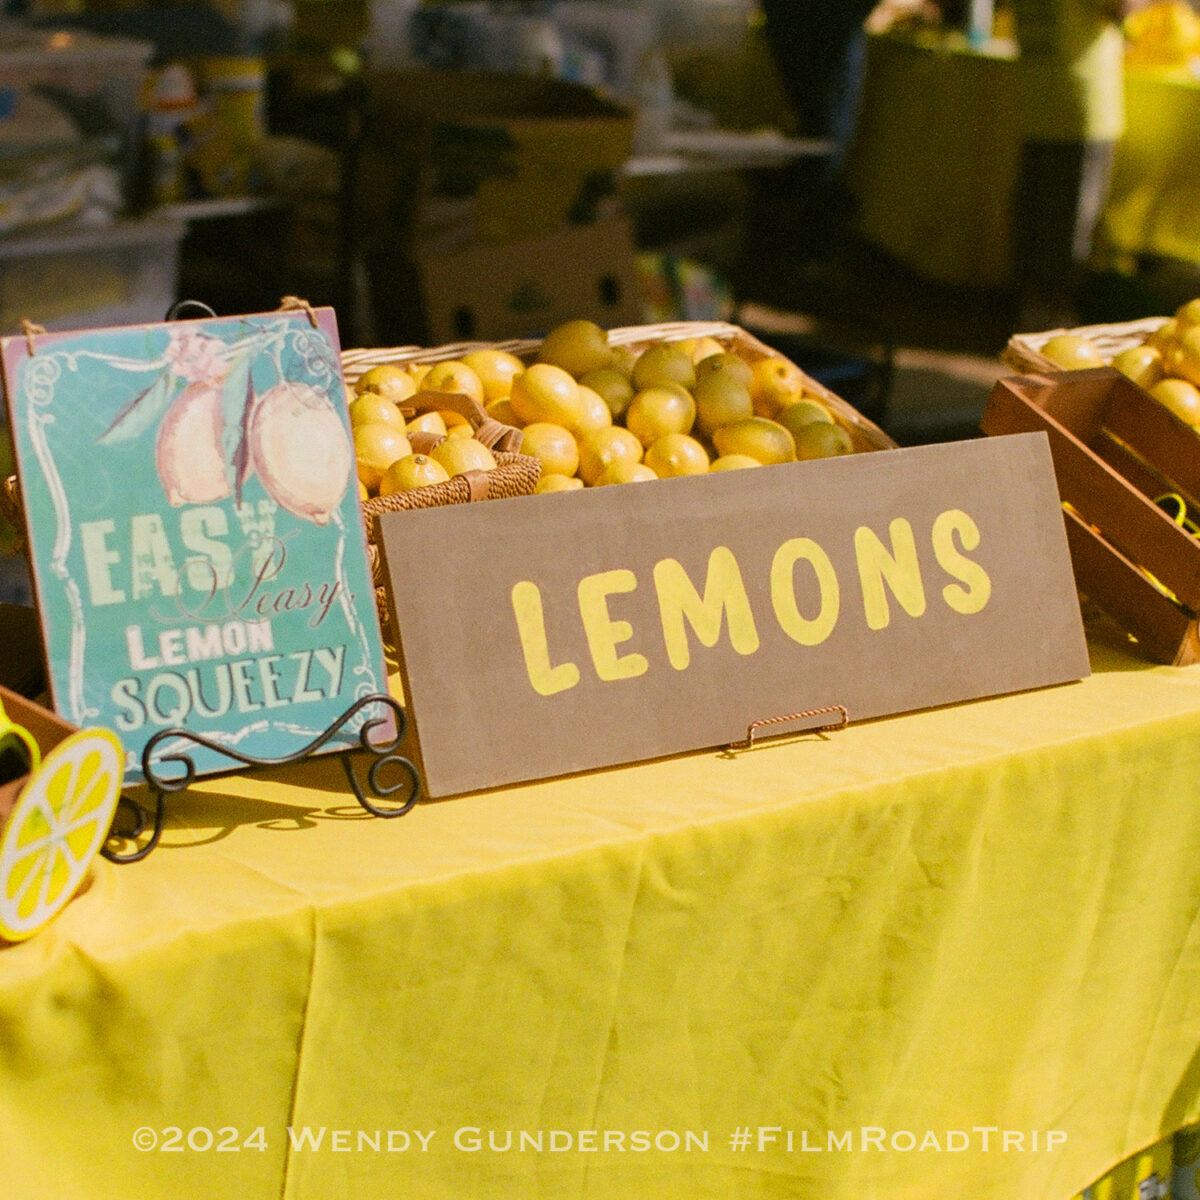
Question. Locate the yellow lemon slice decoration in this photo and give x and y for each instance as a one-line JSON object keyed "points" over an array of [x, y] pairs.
{"points": [[56, 829]]}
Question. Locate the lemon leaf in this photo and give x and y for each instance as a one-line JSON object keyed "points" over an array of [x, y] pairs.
{"points": [[237, 395], [144, 410]]}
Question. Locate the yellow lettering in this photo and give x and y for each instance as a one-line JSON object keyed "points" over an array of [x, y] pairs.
{"points": [[603, 633], [808, 631], [531, 626], [724, 596], [973, 597], [898, 567]]}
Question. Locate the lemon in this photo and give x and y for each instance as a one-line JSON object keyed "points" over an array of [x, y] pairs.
{"points": [[725, 362], [496, 370], [454, 375], [1072, 352], [793, 417], [387, 379], [1163, 338], [760, 438], [376, 447], [721, 398], [545, 392], [417, 373], [502, 411], [676, 454], [370, 407], [821, 439], [1189, 313], [594, 412], [557, 483], [663, 362], [1181, 397], [1143, 364], [602, 447], [774, 383], [701, 348], [613, 386], [412, 471], [553, 446], [461, 454], [733, 462], [623, 358], [656, 411], [428, 422], [577, 346], [624, 472], [61, 819]]}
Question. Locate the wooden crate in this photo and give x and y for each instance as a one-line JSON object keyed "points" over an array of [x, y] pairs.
{"points": [[1116, 450]]}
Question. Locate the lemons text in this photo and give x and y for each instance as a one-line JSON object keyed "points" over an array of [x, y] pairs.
{"points": [[889, 579]]}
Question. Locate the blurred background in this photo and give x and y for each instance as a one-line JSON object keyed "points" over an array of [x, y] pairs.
{"points": [[840, 178]]}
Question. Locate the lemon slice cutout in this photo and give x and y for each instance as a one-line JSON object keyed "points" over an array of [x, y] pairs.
{"points": [[56, 829]]}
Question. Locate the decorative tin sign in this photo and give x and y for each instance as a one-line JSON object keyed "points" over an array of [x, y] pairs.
{"points": [[198, 554]]}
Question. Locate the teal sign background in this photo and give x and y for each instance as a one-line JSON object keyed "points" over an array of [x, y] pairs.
{"points": [[197, 548]]}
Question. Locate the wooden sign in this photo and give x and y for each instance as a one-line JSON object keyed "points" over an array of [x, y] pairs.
{"points": [[197, 549], [550, 634]]}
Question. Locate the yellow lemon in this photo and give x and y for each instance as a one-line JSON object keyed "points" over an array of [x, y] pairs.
{"points": [[676, 454], [429, 422], [1181, 397], [454, 375], [822, 439], [760, 438], [370, 408], [624, 472], [496, 370], [793, 417], [557, 483], [376, 447], [623, 358], [775, 382], [461, 454], [577, 346], [417, 372], [725, 362], [545, 392], [412, 471], [663, 362], [387, 379], [553, 446], [1189, 313], [502, 411], [602, 447], [656, 411], [733, 462], [721, 398], [594, 413], [613, 386], [1143, 364], [701, 348], [1072, 352]]}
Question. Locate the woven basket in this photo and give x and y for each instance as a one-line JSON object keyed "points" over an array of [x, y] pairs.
{"points": [[865, 434], [1023, 352]]}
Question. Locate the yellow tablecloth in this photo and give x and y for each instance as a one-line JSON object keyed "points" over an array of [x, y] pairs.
{"points": [[981, 918], [936, 153]]}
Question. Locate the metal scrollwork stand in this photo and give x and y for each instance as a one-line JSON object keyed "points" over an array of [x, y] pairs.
{"points": [[133, 819]]}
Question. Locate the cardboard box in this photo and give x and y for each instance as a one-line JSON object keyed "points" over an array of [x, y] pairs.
{"points": [[488, 292], [494, 157]]}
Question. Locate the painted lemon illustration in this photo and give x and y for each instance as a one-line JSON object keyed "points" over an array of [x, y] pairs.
{"points": [[188, 453], [300, 450]]}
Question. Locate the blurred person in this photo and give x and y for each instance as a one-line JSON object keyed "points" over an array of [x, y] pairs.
{"points": [[819, 47], [1071, 92]]}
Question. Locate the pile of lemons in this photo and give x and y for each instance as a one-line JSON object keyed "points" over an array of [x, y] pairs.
{"points": [[1166, 363], [385, 456], [596, 413]]}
